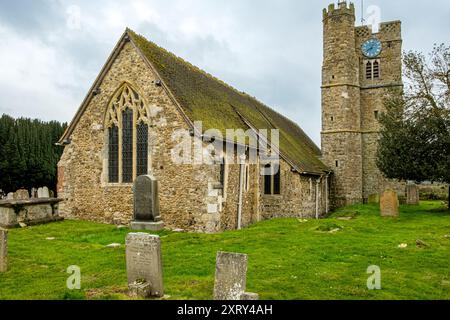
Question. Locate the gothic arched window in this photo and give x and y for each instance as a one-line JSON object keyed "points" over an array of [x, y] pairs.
{"points": [[376, 70], [127, 129], [369, 70], [372, 69]]}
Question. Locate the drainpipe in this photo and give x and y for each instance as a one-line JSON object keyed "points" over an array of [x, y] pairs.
{"points": [[327, 203], [241, 189], [317, 197]]}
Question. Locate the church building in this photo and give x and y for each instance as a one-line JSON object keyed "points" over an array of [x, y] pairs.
{"points": [[129, 125], [146, 101]]}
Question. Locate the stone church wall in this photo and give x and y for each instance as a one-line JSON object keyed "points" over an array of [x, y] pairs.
{"points": [[189, 194]]}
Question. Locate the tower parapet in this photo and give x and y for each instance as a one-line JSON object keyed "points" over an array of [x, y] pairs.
{"points": [[341, 9]]}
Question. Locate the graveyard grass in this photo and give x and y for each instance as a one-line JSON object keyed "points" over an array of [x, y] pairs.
{"points": [[288, 258]]}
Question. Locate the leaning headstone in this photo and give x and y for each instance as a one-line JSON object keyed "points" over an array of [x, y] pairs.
{"points": [[412, 194], [3, 250], [146, 204], [374, 198], [389, 204], [231, 276], [21, 194], [144, 265]]}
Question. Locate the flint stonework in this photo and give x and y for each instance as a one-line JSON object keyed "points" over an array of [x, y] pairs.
{"points": [[231, 276], [144, 264]]}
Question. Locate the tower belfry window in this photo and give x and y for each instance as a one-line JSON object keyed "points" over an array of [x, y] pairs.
{"points": [[372, 68], [369, 70], [376, 70]]}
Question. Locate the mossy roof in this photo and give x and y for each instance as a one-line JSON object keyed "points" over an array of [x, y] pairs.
{"points": [[219, 106]]}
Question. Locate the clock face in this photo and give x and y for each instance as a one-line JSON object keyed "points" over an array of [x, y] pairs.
{"points": [[371, 48]]}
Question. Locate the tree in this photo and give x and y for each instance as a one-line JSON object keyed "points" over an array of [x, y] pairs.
{"points": [[415, 134], [28, 155]]}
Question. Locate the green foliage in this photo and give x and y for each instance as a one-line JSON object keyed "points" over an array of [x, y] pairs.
{"points": [[28, 155], [415, 136], [287, 259], [219, 106]]}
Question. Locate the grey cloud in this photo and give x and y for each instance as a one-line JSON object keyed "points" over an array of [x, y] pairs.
{"points": [[269, 49]]}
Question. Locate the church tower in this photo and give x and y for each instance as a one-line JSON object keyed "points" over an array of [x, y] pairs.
{"points": [[359, 68]]}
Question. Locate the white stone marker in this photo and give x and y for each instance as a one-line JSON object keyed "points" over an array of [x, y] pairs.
{"points": [[231, 276], [144, 265]]}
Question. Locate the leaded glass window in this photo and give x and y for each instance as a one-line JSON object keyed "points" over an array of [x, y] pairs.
{"points": [[267, 181], [142, 149], [127, 121], [113, 154], [277, 181], [272, 181], [127, 146]]}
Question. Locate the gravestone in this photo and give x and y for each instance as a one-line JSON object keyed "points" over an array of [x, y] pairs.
{"points": [[10, 196], [412, 194], [34, 193], [146, 215], [43, 193], [249, 296], [3, 250], [389, 204], [144, 265], [21, 194], [374, 198], [231, 276]]}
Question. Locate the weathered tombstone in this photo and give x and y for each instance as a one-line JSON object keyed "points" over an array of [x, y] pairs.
{"points": [[231, 276], [44, 193], [34, 193], [412, 194], [389, 204], [21, 194], [144, 265], [10, 196], [374, 198], [146, 204], [3, 250], [249, 296]]}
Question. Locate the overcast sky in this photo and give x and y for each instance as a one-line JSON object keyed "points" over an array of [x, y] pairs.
{"points": [[52, 50]]}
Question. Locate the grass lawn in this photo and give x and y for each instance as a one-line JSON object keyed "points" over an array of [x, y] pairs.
{"points": [[288, 259]]}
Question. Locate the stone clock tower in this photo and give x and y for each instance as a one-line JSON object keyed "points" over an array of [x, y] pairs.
{"points": [[359, 68]]}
